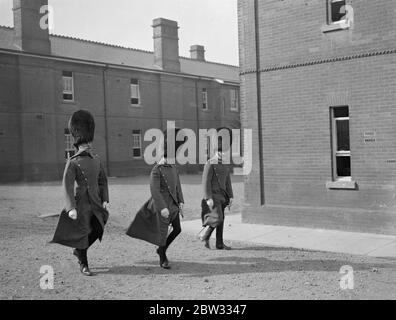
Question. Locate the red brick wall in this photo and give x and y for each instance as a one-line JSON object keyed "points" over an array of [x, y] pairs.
{"points": [[33, 115], [301, 78], [290, 30], [10, 131]]}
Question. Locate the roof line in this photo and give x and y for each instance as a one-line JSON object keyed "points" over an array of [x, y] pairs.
{"points": [[6, 27], [126, 48], [205, 61], [100, 43], [134, 49], [116, 66]]}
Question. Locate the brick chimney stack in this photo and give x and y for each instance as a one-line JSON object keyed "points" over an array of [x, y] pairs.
{"points": [[166, 44], [197, 52], [30, 35]]}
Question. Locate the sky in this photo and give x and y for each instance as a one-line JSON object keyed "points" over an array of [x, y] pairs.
{"points": [[212, 23]]}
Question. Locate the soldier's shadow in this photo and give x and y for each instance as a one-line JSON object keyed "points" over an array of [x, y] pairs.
{"points": [[241, 265]]}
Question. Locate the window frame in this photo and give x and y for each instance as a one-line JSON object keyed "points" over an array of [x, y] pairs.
{"points": [[137, 133], [69, 144], [234, 104], [136, 85], [208, 147], [334, 144], [66, 91], [238, 143], [204, 95], [330, 26], [330, 12]]}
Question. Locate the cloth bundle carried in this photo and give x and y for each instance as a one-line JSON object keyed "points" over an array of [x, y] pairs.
{"points": [[211, 217], [149, 225]]}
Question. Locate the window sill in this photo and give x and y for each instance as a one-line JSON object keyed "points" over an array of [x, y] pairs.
{"points": [[344, 25], [69, 102], [342, 184], [234, 110], [136, 105]]}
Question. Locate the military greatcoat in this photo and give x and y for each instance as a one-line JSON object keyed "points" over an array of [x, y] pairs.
{"points": [[216, 183], [86, 170], [166, 192]]}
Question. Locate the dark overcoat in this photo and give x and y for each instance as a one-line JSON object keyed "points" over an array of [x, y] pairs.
{"points": [[166, 192], [86, 170], [216, 180], [216, 183]]}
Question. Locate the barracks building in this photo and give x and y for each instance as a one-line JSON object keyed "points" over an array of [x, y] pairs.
{"points": [[318, 87], [44, 78]]}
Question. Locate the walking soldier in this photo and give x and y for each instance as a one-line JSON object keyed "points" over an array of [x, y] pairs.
{"points": [[217, 191], [83, 219], [164, 207]]}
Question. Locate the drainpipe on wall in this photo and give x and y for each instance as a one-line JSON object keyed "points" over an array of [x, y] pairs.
{"points": [[161, 112], [197, 111], [105, 121], [259, 114]]}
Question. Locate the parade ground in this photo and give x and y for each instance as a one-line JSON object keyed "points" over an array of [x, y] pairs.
{"points": [[267, 262]]}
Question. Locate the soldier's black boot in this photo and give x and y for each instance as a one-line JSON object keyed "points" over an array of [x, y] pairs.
{"points": [[219, 238], [82, 257], [206, 237], [164, 263], [77, 253]]}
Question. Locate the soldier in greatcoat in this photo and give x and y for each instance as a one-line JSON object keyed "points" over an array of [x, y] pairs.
{"points": [[84, 216], [164, 208], [217, 188]]}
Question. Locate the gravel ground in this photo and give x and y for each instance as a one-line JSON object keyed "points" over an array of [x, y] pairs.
{"points": [[126, 268]]}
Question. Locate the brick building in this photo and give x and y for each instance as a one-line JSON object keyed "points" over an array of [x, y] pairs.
{"points": [[45, 78], [318, 88]]}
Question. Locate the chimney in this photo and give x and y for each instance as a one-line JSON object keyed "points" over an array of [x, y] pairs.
{"points": [[31, 27], [166, 44], [197, 52]]}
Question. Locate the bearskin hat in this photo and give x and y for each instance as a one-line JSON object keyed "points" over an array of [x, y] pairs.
{"points": [[223, 131], [82, 127], [178, 144]]}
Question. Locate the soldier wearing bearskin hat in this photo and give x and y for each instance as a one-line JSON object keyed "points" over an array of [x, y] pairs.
{"points": [[217, 188], [83, 219], [163, 210]]}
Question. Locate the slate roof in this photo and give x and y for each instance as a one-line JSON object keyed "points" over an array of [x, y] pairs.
{"points": [[70, 47]]}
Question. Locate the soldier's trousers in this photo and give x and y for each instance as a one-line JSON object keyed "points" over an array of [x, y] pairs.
{"points": [[219, 228], [175, 232], [92, 237]]}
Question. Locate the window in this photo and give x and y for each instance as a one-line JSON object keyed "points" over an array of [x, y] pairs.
{"points": [[68, 86], [135, 94], [204, 99], [137, 143], [236, 144], [69, 144], [234, 100], [340, 16], [341, 143], [208, 147], [337, 11]]}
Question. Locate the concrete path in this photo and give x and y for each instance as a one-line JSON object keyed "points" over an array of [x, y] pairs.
{"points": [[367, 244]]}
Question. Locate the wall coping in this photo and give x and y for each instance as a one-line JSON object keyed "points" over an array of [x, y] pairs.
{"points": [[321, 61]]}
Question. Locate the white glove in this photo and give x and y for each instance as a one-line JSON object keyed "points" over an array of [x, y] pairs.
{"points": [[181, 205], [230, 204], [104, 204], [73, 214], [165, 213], [210, 203]]}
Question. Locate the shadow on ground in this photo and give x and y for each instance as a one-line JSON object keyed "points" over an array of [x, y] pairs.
{"points": [[241, 265]]}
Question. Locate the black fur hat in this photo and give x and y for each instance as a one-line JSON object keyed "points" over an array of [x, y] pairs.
{"points": [[178, 144], [220, 139], [82, 127]]}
